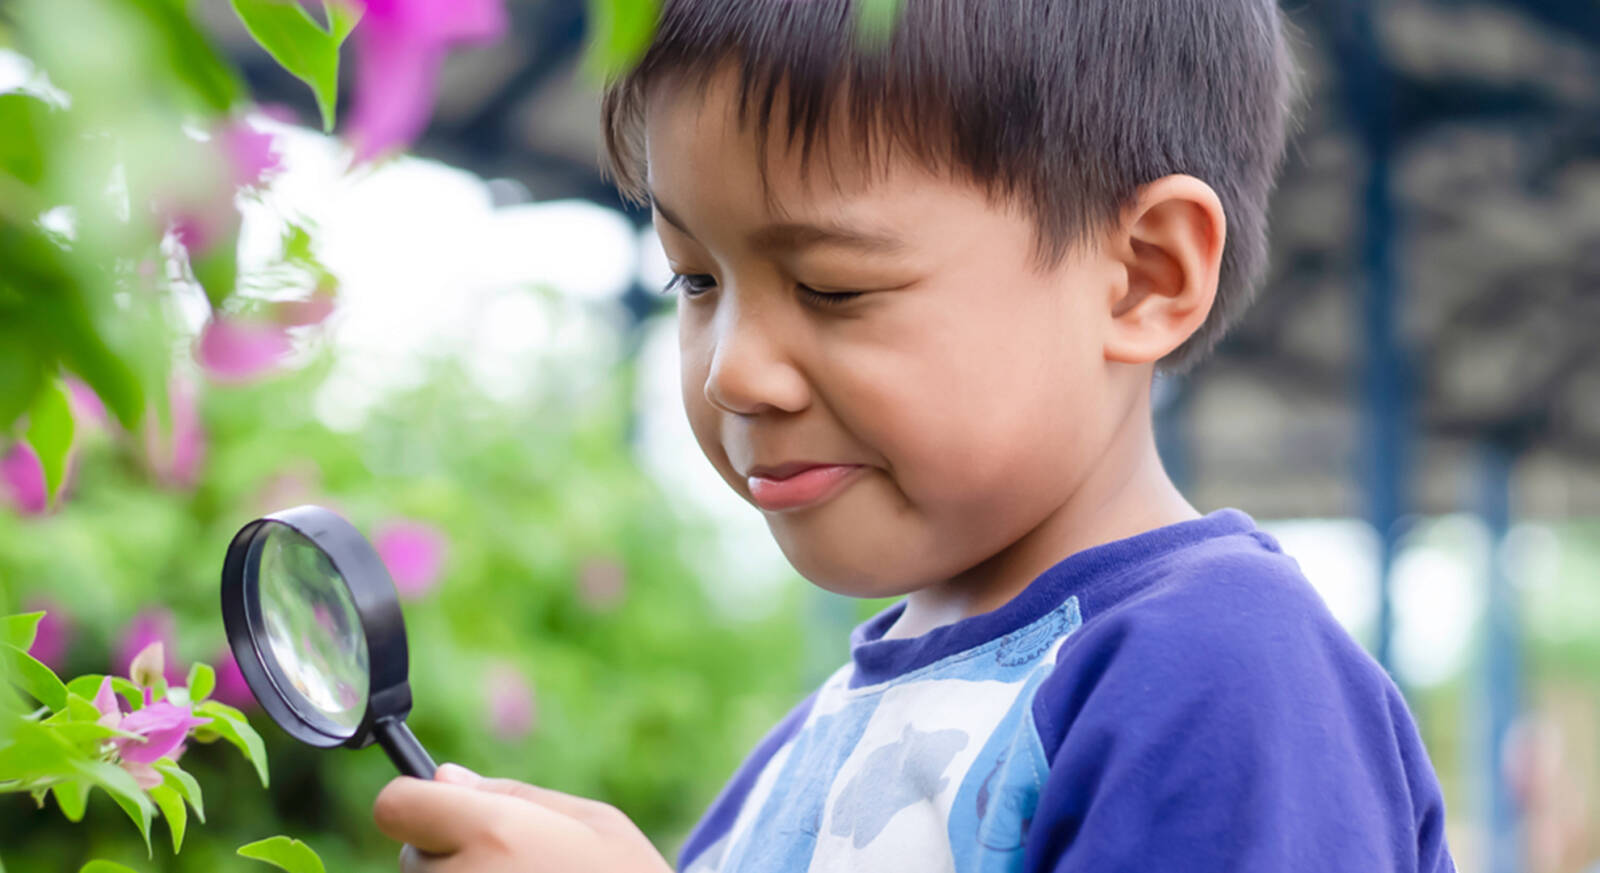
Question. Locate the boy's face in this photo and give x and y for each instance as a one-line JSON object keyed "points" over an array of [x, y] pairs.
{"points": [[972, 391]]}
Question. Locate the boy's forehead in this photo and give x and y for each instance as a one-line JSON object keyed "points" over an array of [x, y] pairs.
{"points": [[694, 138]]}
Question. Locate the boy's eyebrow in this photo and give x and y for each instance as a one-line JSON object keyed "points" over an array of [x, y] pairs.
{"points": [[792, 235]]}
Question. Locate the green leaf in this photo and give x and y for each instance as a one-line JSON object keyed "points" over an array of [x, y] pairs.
{"points": [[80, 708], [50, 433], [186, 786], [34, 752], [202, 681], [190, 54], [139, 815], [170, 802], [300, 45], [217, 270], [22, 368], [58, 318], [125, 791], [20, 630], [71, 796], [232, 726], [285, 854], [619, 32], [342, 16], [105, 867], [34, 677], [22, 149], [88, 685]]}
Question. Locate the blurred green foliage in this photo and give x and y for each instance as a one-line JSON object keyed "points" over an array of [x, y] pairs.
{"points": [[645, 696], [648, 702]]}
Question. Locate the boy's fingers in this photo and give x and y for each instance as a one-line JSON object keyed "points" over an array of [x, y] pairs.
{"points": [[440, 819], [591, 812], [427, 815]]}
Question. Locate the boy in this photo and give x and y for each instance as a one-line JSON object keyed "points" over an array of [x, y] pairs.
{"points": [[924, 286]]}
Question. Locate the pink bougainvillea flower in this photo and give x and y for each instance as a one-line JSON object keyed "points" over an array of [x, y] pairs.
{"points": [[87, 407], [54, 634], [203, 218], [601, 584], [299, 482], [249, 152], [231, 687], [511, 707], [198, 229], [400, 45], [149, 627], [414, 554], [235, 350], [22, 479], [282, 113], [176, 456], [162, 728], [302, 313]]}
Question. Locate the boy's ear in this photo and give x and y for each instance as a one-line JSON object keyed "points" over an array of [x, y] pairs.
{"points": [[1170, 249]]}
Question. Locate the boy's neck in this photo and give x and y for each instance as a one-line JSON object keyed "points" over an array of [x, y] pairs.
{"points": [[1128, 492]]}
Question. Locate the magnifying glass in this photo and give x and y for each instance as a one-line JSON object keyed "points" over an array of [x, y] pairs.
{"points": [[315, 624]]}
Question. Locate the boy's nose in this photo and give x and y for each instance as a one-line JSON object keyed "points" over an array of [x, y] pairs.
{"points": [[751, 368]]}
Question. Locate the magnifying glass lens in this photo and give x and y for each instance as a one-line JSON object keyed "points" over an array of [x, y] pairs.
{"points": [[312, 630]]}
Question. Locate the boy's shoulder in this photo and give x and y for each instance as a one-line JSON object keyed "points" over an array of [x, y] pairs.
{"points": [[1229, 619], [1218, 702]]}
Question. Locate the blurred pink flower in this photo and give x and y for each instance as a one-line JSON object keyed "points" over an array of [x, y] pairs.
{"points": [[231, 687], [414, 554], [511, 707], [22, 478], [55, 632], [200, 227], [602, 582], [301, 313], [203, 219], [400, 45], [87, 408], [176, 457], [155, 625], [282, 113], [298, 482], [162, 727], [235, 350], [249, 151]]}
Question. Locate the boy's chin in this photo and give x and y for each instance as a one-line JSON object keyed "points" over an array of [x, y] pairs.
{"points": [[853, 562]]}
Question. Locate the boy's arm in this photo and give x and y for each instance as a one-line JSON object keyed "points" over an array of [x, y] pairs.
{"points": [[1236, 733]]}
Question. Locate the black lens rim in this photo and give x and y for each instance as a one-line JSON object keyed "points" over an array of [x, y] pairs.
{"points": [[377, 604]]}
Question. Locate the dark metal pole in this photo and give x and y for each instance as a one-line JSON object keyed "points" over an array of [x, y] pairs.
{"points": [[1502, 648], [1386, 377]]}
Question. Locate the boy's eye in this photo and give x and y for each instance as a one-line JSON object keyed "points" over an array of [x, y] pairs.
{"points": [[822, 298], [693, 284]]}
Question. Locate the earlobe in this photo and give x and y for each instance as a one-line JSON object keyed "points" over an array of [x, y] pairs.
{"points": [[1171, 251]]}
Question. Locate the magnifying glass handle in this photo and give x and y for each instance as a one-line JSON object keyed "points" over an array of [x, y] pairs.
{"points": [[403, 749]]}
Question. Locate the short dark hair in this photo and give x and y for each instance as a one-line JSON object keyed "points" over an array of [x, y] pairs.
{"points": [[1068, 106]]}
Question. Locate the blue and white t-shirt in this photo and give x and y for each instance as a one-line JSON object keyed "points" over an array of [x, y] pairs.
{"points": [[1178, 700]]}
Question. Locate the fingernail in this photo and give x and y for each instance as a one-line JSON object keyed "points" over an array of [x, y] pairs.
{"points": [[456, 774]]}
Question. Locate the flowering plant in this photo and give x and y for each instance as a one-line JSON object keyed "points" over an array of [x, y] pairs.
{"points": [[123, 735]]}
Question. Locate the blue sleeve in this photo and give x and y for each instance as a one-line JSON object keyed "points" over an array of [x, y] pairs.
{"points": [[1229, 724]]}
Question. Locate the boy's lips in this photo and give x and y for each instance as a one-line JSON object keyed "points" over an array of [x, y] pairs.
{"points": [[797, 483]]}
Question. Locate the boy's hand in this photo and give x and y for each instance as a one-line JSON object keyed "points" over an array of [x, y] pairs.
{"points": [[462, 822]]}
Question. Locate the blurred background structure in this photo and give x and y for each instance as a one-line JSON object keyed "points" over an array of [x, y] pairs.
{"points": [[1413, 407]]}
